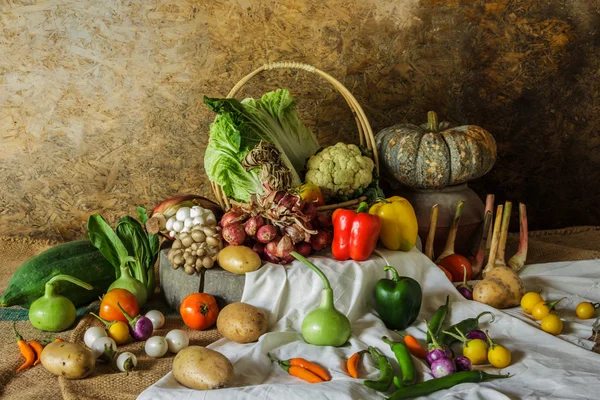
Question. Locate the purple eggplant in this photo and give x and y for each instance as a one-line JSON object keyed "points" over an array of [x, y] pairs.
{"points": [[442, 367], [140, 327], [435, 351], [462, 363], [464, 288], [477, 334]]}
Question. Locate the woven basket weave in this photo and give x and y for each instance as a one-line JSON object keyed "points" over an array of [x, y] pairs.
{"points": [[365, 133]]}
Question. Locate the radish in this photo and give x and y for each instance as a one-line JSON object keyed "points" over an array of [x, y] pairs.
{"points": [[517, 261], [431, 235], [449, 248]]}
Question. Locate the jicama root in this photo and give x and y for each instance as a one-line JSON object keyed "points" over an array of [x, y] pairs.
{"points": [[503, 234], [495, 239], [449, 248], [431, 235], [517, 261], [477, 263]]}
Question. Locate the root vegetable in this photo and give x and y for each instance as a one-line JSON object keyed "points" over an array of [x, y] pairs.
{"points": [[253, 224], [284, 247], [431, 235], [323, 220], [503, 234], [489, 206], [449, 248], [304, 249], [266, 233], [295, 233], [477, 263], [321, 240], [258, 248], [517, 261], [200, 368], [234, 234], [238, 259], [69, 360], [242, 323]]}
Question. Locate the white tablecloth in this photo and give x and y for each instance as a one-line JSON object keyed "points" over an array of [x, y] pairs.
{"points": [[543, 367]]}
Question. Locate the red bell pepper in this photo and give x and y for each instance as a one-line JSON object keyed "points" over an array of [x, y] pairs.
{"points": [[355, 233]]}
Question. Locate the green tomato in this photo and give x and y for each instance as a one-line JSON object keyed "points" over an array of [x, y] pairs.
{"points": [[476, 351]]}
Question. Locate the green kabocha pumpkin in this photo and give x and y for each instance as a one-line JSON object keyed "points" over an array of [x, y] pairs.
{"points": [[432, 155]]}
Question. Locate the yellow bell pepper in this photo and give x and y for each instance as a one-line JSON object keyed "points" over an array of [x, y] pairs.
{"points": [[399, 227]]}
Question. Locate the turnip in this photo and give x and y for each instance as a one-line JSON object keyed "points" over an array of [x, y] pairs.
{"points": [[234, 234]]}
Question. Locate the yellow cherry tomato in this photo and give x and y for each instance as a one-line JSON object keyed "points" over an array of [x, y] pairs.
{"points": [[586, 310], [552, 324], [499, 356], [119, 332], [543, 308], [476, 351], [530, 300]]}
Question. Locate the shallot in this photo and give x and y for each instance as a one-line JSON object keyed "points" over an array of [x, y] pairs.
{"points": [[253, 224], [266, 233], [234, 234]]}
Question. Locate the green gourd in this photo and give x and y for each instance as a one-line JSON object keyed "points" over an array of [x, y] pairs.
{"points": [[325, 325], [78, 258], [53, 312], [127, 282]]}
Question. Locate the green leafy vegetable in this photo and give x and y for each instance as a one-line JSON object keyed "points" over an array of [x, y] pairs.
{"points": [[106, 240], [242, 125]]}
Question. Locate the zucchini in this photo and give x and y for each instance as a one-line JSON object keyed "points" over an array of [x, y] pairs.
{"points": [[79, 259]]}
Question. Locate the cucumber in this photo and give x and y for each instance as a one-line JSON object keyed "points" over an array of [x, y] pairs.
{"points": [[78, 258]]}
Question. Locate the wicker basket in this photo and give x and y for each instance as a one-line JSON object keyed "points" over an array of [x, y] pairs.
{"points": [[365, 132]]}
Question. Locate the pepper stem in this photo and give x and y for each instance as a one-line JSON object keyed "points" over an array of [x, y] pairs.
{"points": [[387, 341], [432, 121], [312, 266], [490, 341], [460, 337], [129, 317], [395, 276], [554, 303], [105, 322], [17, 335], [362, 207], [486, 312], [434, 342], [49, 290]]}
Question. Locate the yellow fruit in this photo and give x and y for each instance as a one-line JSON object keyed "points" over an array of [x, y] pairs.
{"points": [[552, 324], [543, 308], [499, 356], [529, 300], [476, 350], [585, 310]]}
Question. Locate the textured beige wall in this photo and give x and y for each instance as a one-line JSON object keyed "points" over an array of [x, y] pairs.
{"points": [[100, 101]]}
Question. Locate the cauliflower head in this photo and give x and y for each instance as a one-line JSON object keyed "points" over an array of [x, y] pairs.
{"points": [[340, 170]]}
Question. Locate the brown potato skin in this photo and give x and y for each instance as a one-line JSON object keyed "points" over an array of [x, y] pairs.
{"points": [[242, 323], [501, 288], [202, 369], [69, 360]]}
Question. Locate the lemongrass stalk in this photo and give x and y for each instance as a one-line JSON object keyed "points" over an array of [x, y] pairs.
{"points": [[449, 248], [517, 261], [495, 239], [431, 235]]}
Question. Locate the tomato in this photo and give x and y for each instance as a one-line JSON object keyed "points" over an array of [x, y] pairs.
{"points": [[448, 274], [455, 264], [199, 311], [530, 300], [552, 324], [311, 193], [109, 309], [540, 310], [586, 310]]}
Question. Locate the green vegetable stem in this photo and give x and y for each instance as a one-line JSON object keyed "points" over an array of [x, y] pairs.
{"points": [[386, 374], [435, 325], [467, 325], [52, 312], [446, 382]]}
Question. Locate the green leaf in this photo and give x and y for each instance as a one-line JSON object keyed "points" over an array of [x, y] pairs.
{"points": [[106, 241], [133, 236], [142, 215]]}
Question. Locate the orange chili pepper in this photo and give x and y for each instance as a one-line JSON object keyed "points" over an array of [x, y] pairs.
{"points": [[352, 363], [58, 340], [413, 345], [38, 351], [26, 351], [305, 374], [315, 369]]}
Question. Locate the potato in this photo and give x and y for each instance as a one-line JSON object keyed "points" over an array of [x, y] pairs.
{"points": [[73, 361], [242, 322], [202, 369], [501, 288], [238, 259]]}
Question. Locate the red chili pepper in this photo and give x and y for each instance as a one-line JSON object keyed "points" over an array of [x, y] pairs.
{"points": [[355, 233]]}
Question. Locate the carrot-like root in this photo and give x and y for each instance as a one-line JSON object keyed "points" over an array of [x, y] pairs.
{"points": [[517, 261], [431, 234], [503, 234], [495, 239], [489, 206], [477, 263], [449, 248]]}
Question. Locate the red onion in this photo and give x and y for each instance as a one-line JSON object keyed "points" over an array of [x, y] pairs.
{"points": [[323, 220], [304, 249], [310, 210], [270, 252], [258, 248], [253, 224], [234, 234], [266, 233], [231, 217], [284, 247], [321, 240]]}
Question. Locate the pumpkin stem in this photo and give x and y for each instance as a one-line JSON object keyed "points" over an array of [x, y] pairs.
{"points": [[432, 121]]}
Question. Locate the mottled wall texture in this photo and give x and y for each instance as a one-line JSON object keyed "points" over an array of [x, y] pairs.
{"points": [[101, 100]]}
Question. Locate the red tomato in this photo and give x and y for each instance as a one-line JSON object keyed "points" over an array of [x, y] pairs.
{"points": [[199, 311], [455, 264], [448, 274], [109, 310]]}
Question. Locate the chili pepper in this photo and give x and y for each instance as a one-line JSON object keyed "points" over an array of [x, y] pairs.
{"points": [[398, 382], [407, 366], [398, 300], [38, 351], [435, 325], [355, 234], [386, 374], [303, 369], [399, 225], [26, 350], [352, 363], [446, 382], [467, 325], [413, 345]]}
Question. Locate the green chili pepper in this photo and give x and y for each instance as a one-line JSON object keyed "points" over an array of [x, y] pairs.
{"points": [[466, 326], [386, 374], [398, 382], [407, 366], [433, 385], [435, 325]]}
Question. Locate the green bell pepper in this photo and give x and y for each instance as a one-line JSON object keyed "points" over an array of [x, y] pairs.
{"points": [[398, 300]]}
